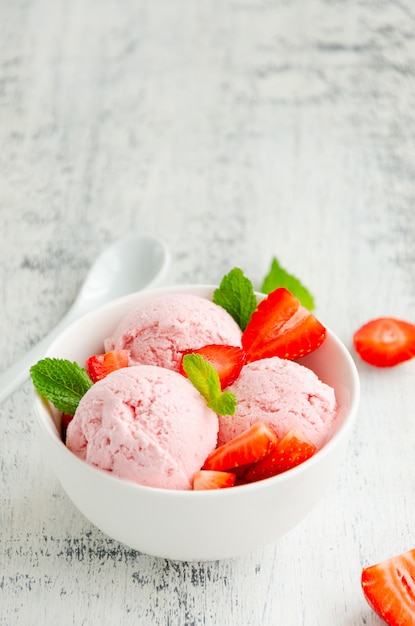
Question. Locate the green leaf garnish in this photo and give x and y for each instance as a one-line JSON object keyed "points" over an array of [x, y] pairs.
{"points": [[60, 381], [236, 295], [205, 378], [279, 277]]}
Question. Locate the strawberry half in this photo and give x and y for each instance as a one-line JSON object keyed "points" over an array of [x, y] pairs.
{"points": [[227, 360], [293, 449], [281, 326], [99, 366], [211, 479], [385, 341], [248, 447], [389, 588], [65, 421]]}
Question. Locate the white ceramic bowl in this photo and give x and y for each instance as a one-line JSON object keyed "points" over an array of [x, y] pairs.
{"points": [[196, 525]]}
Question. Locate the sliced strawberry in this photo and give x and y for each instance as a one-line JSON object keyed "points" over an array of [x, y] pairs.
{"points": [[66, 418], [385, 341], [389, 588], [293, 449], [211, 479], [227, 360], [281, 326], [248, 447], [100, 365]]}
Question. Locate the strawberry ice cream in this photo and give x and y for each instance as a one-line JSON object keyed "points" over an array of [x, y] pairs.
{"points": [[145, 424], [161, 329], [284, 394]]}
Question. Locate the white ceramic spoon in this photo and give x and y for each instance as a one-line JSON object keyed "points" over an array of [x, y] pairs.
{"points": [[129, 265]]}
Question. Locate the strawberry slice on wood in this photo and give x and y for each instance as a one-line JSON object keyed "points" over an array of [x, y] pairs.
{"points": [[389, 588], [281, 326], [248, 447], [212, 479], [385, 341], [227, 360], [99, 366], [291, 450]]}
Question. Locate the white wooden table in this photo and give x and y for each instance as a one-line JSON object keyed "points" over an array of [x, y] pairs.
{"points": [[235, 131]]}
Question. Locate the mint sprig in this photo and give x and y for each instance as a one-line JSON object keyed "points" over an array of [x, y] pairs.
{"points": [[60, 381], [236, 295], [205, 378], [279, 277]]}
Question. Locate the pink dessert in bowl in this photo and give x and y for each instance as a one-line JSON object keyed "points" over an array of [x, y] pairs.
{"points": [[146, 424], [162, 329], [170, 520], [283, 394]]}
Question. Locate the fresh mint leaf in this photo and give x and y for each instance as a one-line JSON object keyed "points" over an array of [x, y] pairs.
{"points": [[236, 295], [225, 404], [206, 380], [60, 381], [279, 277], [202, 375]]}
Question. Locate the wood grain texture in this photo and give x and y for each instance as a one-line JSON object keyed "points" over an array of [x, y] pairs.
{"points": [[236, 131]]}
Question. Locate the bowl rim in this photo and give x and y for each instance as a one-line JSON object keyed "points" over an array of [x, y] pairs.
{"points": [[43, 409]]}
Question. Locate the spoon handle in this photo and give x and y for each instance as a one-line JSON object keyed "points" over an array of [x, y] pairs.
{"points": [[16, 374], [104, 282]]}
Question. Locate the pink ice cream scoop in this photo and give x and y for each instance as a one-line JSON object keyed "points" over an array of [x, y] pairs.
{"points": [[161, 329], [145, 424], [284, 394]]}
